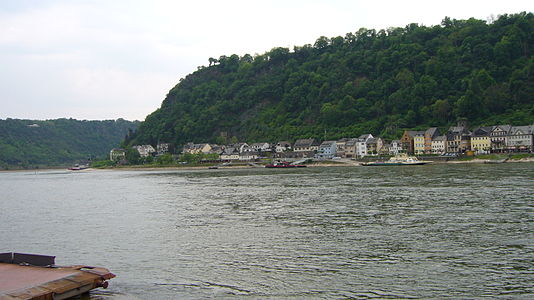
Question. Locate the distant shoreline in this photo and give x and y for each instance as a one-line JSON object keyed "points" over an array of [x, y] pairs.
{"points": [[311, 165]]}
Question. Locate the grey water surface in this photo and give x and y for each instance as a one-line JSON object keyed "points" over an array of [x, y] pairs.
{"points": [[433, 231]]}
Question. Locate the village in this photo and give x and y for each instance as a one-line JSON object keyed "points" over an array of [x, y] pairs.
{"points": [[457, 140]]}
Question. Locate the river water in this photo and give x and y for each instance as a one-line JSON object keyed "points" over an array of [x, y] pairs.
{"points": [[433, 231]]}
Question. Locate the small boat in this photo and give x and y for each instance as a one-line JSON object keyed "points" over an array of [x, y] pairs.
{"points": [[496, 161], [284, 164], [398, 160], [213, 168], [78, 167]]}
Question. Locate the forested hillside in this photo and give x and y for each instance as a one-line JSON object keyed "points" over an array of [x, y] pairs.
{"points": [[368, 81], [27, 143]]}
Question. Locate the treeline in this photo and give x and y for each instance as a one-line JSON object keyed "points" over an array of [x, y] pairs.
{"points": [[368, 81], [30, 144]]}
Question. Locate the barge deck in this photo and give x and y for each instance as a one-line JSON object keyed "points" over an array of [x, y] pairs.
{"points": [[29, 276]]}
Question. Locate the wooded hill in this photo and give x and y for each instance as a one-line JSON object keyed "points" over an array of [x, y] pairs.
{"points": [[29, 143], [370, 81]]}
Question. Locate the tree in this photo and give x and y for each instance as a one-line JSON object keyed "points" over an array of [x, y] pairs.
{"points": [[132, 156]]}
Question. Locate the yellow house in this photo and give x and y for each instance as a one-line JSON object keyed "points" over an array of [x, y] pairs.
{"points": [[419, 144], [197, 148], [481, 141]]}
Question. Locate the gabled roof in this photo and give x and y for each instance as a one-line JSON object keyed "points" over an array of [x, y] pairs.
{"points": [[351, 142], [432, 131], [284, 144], [230, 151], [365, 136], [457, 130], [305, 143], [191, 146], [413, 133], [482, 131], [327, 143], [440, 138], [505, 128], [516, 130]]}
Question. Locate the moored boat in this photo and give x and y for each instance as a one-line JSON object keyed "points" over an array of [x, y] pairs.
{"points": [[284, 164], [496, 161], [398, 160], [78, 167]]}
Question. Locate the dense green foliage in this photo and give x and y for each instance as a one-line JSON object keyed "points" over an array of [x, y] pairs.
{"points": [[369, 81], [58, 142]]}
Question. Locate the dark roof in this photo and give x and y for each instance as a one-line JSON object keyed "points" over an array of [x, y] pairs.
{"points": [[305, 143], [522, 130], [505, 128], [413, 133], [482, 131], [432, 131]]}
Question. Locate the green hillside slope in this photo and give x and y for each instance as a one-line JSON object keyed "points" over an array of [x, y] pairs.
{"points": [[27, 143], [368, 81]]}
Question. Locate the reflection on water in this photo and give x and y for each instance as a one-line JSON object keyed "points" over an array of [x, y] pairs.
{"points": [[409, 232]]}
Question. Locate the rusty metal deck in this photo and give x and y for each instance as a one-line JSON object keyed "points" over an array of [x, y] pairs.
{"points": [[22, 281]]}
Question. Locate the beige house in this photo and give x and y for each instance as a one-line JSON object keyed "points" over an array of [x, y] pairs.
{"points": [[305, 145], [350, 148], [458, 140], [430, 134], [419, 143]]}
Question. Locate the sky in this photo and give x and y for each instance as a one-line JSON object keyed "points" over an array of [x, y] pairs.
{"points": [[110, 59]]}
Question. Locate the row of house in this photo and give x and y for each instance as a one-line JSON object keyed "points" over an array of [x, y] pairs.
{"points": [[302, 148], [457, 139], [117, 154]]}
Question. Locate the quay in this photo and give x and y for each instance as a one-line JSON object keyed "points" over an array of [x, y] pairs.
{"points": [[31, 276]]}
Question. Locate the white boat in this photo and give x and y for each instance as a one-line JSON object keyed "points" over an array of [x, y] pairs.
{"points": [[398, 160]]}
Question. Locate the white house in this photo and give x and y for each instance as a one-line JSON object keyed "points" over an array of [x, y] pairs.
{"points": [[230, 153], [327, 150], [248, 155], [498, 137], [282, 147], [438, 144], [144, 150], [260, 147], [395, 147], [520, 138]]}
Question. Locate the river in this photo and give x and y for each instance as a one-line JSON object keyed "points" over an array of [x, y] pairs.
{"points": [[433, 231]]}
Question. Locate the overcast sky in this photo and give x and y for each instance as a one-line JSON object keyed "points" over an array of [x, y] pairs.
{"points": [[109, 59]]}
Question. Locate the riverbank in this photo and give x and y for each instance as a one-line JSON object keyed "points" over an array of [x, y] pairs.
{"points": [[314, 164]]}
